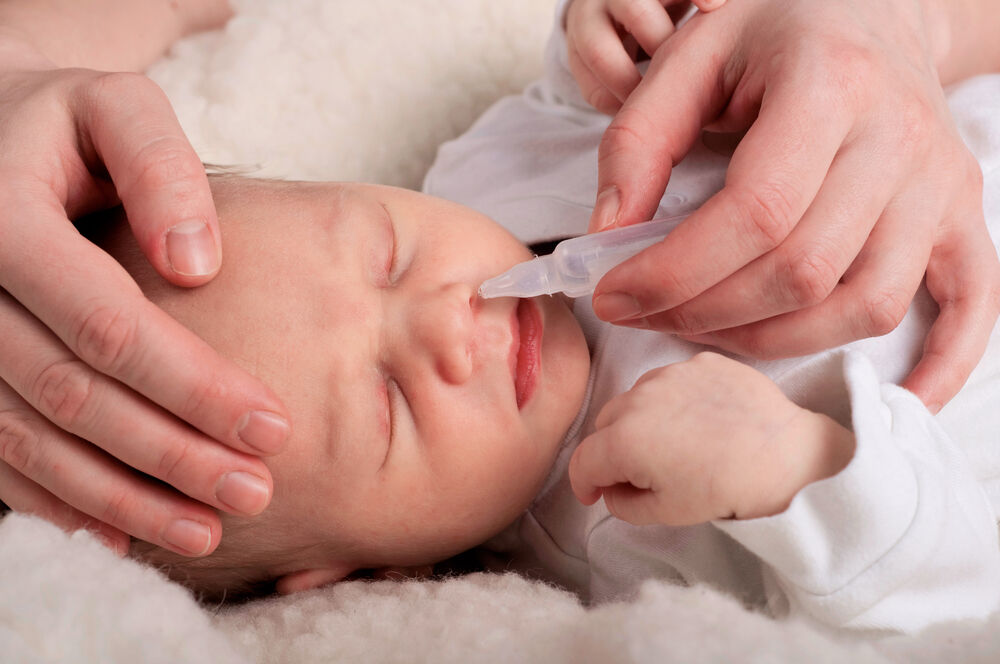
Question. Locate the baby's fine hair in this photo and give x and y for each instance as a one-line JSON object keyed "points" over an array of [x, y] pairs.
{"points": [[241, 568]]}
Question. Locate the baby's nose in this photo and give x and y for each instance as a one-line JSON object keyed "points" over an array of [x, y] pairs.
{"points": [[445, 325]]}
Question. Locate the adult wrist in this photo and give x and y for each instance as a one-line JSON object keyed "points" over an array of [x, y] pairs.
{"points": [[963, 36]]}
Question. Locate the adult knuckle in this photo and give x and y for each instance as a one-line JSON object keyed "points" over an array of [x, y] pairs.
{"points": [[119, 87], [668, 281], [755, 344], [628, 131], [205, 397], [107, 337], [834, 66], [849, 60], [767, 214], [20, 443], [683, 321], [916, 124], [972, 175], [883, 312], [117, 508], [172, 461], [63, 391], [161, 163], [810, 277]]}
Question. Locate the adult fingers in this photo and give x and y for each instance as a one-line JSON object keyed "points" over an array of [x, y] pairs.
{"points": [[658, 124], [23, 495], [90, 302], [102, 411], [81, 475], [597, 54], [806, 267], [159, 178], [963, 277], [773, 178], [871, 300]]}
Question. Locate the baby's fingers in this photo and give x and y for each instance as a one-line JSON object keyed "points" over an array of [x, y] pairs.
{"points": [[708, 5], [605, 465], [639, 507], [601, 461], [646, 20], [598, 60]]}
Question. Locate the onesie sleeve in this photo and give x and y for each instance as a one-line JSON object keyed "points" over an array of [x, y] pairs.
{"points": [[530, 161], [902, 538]]}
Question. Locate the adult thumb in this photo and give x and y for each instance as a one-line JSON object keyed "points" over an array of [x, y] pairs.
{"points": [[159, 178], [657, 126]]}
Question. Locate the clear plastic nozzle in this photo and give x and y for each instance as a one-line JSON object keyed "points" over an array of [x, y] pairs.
{"points": [[576, 265]]}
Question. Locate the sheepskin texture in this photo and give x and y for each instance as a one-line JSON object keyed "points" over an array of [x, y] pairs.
{"points": [[361, 90], [65, 598], [366, 90]]}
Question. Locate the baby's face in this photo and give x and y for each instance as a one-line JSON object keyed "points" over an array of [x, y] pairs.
{"points": [[424, 418]]}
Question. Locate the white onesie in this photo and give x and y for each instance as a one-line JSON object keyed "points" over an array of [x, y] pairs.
{"points": [[904, 537]]}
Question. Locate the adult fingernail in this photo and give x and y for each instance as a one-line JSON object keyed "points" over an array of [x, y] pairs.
{"points": [[191, 249], [243, 492], [189, 536], [616, 306], [265, 432], [606, 209]]}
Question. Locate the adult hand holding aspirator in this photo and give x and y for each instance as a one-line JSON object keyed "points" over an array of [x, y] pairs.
{"points": [[850, 186]]}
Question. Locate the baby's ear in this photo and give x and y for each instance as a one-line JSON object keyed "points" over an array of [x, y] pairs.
{"points": [[307, 579], [400, 573]]}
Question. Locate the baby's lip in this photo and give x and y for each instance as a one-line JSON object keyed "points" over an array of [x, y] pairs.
{"points": [[525, 349]]}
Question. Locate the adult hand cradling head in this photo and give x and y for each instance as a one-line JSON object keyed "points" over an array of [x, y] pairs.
{"points": [[95, 381]]}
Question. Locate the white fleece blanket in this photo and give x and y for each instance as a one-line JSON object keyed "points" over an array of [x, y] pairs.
{"points": [[366, 90]]}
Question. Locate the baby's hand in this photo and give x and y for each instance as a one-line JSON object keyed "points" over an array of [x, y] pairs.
{"points": [[604, 38], [705, 439]]}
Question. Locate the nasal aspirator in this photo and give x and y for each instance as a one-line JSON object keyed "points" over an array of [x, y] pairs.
{"points": [[576, 265]]}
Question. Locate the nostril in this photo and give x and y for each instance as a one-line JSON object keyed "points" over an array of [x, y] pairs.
{"points": [[475, 302]]}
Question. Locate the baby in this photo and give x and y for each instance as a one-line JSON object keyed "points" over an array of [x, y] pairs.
{"points": [[427, 420]]}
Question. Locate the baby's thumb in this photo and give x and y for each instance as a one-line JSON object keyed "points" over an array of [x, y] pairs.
{"points": [[637, 506], [708, 5]]}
